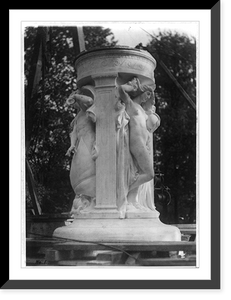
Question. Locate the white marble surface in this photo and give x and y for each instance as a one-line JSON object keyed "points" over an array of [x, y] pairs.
{"points": [[117, 230]]}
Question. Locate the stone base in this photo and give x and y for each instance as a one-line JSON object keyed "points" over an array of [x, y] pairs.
{"points": [[118, 230]]}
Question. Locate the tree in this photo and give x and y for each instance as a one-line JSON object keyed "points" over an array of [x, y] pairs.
{"points": [[98, 37], [175, 145], [47, 121]]}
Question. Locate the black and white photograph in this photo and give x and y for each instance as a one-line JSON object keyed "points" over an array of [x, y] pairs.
{"points": [[110, 144], [115, 155]]}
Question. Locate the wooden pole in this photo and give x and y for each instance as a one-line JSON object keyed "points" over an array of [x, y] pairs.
{"points": [[29, 120], [78, 39], [188, 98], [32, 189], [81, 38]]}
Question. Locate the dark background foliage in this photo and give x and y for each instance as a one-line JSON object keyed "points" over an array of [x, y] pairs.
{"points": [[47, 122]]}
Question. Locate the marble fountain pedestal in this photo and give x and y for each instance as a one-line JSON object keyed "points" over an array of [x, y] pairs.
{"points": [[108, 216]]}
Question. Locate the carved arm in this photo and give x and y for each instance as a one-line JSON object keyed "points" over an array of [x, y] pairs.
{"points": [[74, 139], [124, 97]]}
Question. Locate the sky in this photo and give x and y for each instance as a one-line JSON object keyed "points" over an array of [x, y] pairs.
{"points": [[131, 34]]}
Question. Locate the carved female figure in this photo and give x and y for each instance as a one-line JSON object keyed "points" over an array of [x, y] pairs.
{"points": [[133, 95], [82, 174], [143, 121]]}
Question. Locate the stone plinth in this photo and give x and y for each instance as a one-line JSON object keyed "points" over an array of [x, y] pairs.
{"points": [[111, 219], [117, 230]]}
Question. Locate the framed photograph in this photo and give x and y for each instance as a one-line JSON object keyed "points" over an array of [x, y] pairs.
{"points": [[57, 230]]}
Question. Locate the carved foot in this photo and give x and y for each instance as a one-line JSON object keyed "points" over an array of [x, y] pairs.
{"points": [[81, 205], [136, 207]]}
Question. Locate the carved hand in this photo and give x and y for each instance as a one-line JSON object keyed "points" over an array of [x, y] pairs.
{"points": [[70, 150], [153, 109], [146, 87], [71, 99]]}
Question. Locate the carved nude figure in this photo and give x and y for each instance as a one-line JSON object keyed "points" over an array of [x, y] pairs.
{"points": [[133, 95], [143, 121], [82, 173]]}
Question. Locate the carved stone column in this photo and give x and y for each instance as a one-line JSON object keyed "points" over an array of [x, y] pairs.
{"points": [[106, 144], [104, 69]]}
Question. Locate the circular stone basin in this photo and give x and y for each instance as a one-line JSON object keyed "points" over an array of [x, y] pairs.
{"points": [[122, 61]]}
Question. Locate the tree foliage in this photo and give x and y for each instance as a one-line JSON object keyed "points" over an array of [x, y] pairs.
{"points": [[96, 37], [176, 137], [47, 121]]}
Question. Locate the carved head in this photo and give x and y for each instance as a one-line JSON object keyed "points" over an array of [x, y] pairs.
{"points": [[146, 96], [82, 98], [71, 100], [140, 89]]}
